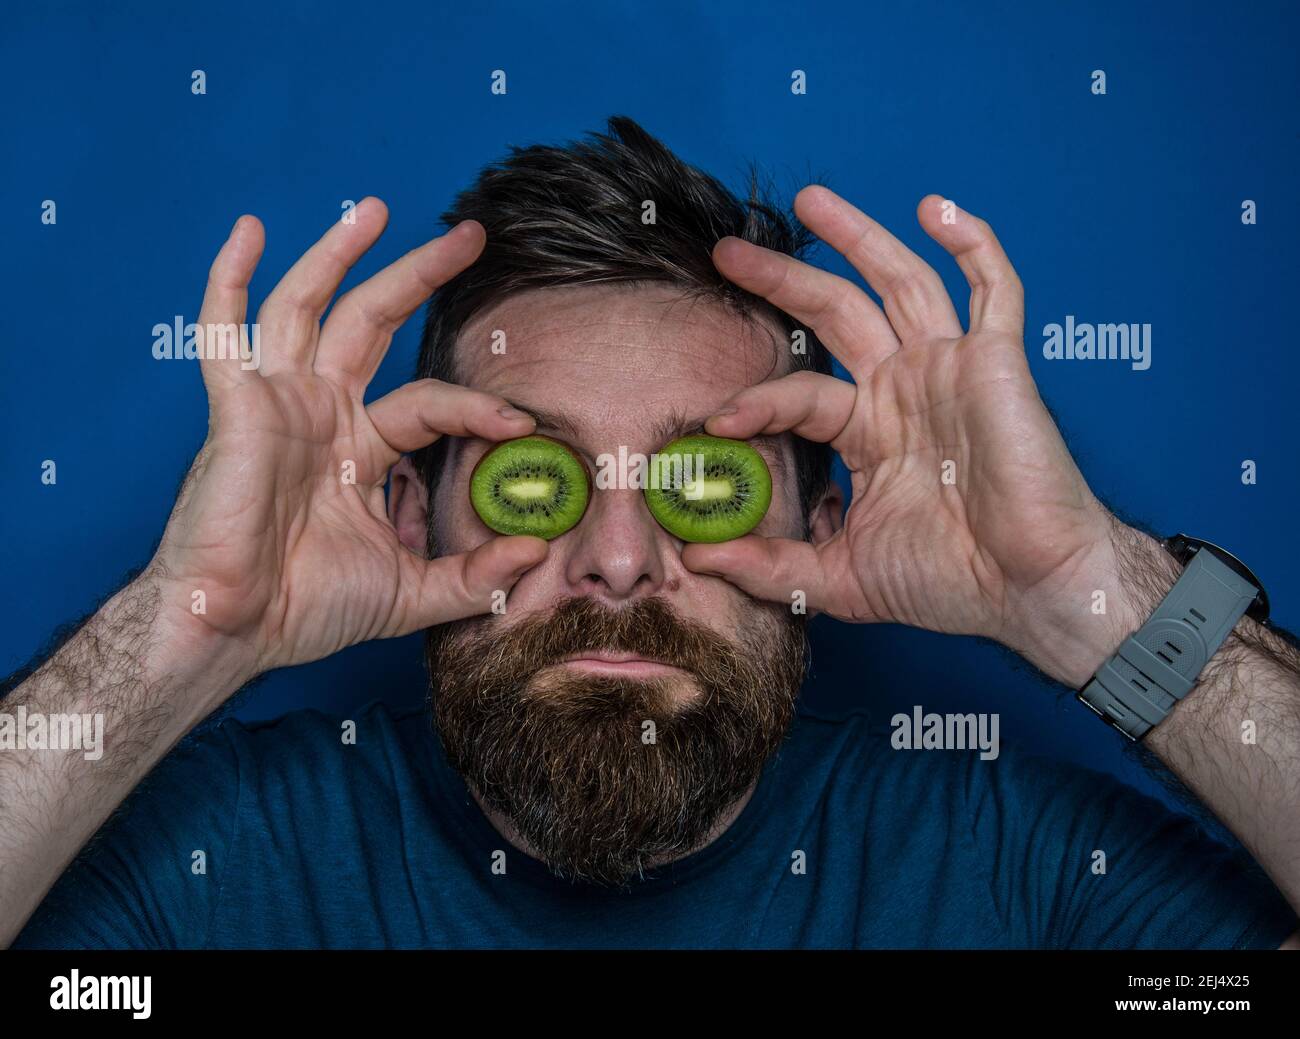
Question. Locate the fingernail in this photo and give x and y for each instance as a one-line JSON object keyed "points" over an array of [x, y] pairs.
{"points": [[506, 411], [730, 409]]}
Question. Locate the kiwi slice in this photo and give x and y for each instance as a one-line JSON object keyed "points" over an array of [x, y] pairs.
{"points": [[533, 485], [726, 501]]}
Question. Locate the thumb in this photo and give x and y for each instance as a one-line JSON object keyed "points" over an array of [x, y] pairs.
{"points": [[776, 569], [454, 587]]}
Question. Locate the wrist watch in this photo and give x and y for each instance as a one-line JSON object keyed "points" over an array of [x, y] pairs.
{"points": [[1160, 663]]}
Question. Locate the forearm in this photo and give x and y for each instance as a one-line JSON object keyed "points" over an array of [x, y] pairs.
{"points": [[1234, 740], [136, 669]]}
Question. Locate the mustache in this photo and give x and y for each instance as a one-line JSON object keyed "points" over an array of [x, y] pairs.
{"points": [[648, 628]]}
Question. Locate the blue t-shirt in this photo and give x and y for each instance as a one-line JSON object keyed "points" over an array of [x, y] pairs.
{"points": [[310, 841]]}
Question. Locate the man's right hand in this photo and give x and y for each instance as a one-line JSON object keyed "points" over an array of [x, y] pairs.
{"points": [[281, 522], [280, 525]]}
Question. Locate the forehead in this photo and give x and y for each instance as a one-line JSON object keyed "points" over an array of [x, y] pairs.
{"points": [[617, 360]]}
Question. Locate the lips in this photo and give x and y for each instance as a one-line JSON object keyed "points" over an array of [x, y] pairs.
{"points": [[616, 663]]}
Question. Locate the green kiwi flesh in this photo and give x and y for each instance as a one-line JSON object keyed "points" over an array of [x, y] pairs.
{"points": [[729, 499], [533, 485]]}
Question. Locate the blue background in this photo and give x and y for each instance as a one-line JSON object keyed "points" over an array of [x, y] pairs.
{"points": [[1117, 208]]}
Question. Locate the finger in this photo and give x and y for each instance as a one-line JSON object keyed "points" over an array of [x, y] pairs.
{"points": [[225, 303], [766, 568], [997, 299], [361, 325], [454, 587], [842, 315], [915, 300], [415, 415], [290, 315], [814, 406]]}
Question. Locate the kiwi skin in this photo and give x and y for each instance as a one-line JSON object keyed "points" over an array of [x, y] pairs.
{"points": [[522, 527], [690, 527]]}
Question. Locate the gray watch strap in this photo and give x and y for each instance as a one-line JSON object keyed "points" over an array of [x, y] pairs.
{"points": [[1160, 662]]}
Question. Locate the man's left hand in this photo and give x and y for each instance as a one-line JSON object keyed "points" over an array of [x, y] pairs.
{"points": [[968, 514]]}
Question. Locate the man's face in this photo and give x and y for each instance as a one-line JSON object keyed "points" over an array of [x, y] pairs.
{"points": [[622, 704]]}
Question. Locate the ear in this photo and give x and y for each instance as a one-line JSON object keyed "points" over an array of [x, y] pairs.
{"points": [[828, 516], [408, 506]]}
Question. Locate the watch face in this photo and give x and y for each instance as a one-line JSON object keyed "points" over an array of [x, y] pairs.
{"points": [[1184, 548]]}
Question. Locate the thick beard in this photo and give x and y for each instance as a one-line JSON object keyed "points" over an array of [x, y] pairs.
{"points": [[570, 760]]}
